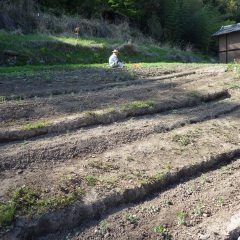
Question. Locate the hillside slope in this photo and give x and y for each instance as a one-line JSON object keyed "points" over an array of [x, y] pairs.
{"points": [[19, 50]]}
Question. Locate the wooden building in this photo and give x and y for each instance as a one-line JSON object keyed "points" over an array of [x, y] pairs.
{"points": [[229, 43]]}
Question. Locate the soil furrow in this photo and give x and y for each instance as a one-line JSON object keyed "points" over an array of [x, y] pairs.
{"points": [[81, 144], [72, 216], [209, 211], [85, 88], [166, 137], [63, 105], [105, 117]]}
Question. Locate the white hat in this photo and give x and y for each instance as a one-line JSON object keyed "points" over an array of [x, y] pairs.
{"points": [[115, 51]]}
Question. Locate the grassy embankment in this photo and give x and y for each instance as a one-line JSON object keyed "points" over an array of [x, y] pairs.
{"points": [[44, 52]]}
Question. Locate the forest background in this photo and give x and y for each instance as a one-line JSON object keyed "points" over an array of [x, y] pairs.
{"points": [[176, 22]]}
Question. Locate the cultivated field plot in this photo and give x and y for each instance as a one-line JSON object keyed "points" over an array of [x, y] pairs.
{"points": [[134, 153]]}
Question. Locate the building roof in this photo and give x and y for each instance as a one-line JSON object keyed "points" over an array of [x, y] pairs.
{"points": [[228, 29]]}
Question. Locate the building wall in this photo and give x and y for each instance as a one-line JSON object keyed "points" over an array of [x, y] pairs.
{"points": [[222, 43], [229, 47], [233, 41]]}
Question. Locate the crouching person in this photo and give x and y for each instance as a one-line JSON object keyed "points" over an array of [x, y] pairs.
{"points": [[114, 61]]}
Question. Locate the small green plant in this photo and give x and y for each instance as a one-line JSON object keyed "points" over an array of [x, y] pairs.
{"points": [[150, 209], [181, 218], [108, 182], [48, 78], [191, 188], [221, 201], [137, 105], [168, 202], [159, 176], [91, 114], [235, 67], [163, 231], [35, 125], [188, 138], [194, 94], [225, 170], [203, 179], [198, 210], [2, 99], [130, 159], [103, 166], [104, 227], [56, 202], [7, 212], [131, 218], [25, 199], [233, 85], [184, 140], [91, 180], [160, 229]]}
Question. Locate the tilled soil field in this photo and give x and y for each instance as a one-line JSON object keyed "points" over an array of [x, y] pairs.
{"points": [[143, 153]]}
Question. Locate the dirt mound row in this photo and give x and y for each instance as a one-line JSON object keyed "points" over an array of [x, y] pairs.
{"points": [[92, 141], [108, 116], [66, 104], [182, 126], [33, 90], [78, 213], [138, 168], [198, 209]]}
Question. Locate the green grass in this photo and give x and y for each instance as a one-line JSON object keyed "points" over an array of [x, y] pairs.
{"points": [[25, 201], [233, 85], [39, 49], [91, 180], [35, 125], [7, 212], [30, 70], [137, 105], [188, 138]]}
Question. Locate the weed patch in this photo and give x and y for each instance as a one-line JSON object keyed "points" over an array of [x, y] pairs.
{"points": [[2, 99], [198, 210], [91, 180], [104, 227], [181, 218], [233, 85], [163, 231], [7, 212], [35, 125], [186, 139], [25, 201], [133, 219], [137, 105], [103, 166]]}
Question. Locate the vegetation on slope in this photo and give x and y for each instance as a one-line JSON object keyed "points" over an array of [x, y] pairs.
{"points": [[37, 49]]}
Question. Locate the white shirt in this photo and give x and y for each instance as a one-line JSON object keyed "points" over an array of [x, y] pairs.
{"points": [[113, 60]]}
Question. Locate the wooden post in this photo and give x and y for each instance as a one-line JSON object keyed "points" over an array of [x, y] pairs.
{"points": [[226, 49]]}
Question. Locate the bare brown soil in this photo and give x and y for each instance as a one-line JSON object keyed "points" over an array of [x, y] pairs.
{"points": [[167, 158]]}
